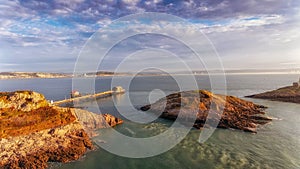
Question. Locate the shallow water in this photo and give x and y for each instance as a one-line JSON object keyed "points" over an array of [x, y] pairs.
{"points": [[276, 145]]}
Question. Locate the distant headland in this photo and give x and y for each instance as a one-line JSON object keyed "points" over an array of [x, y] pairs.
{"points": [[103, 73], [285, 94], [29, 75]]}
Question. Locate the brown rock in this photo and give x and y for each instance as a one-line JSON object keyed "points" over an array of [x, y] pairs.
{"points": [[232, 112], [285, 94], [111, 120], [91, 121], [64, 144], [33, 133], [22, 100]]}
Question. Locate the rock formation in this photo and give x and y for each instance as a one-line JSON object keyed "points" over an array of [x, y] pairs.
{"points": [[22, 100], [285, 94], [237, 113], [32, 132], [91, 121]]}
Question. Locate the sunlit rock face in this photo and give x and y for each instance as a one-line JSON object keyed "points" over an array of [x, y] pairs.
{"points": [[22, 100], [231, 111], [33, 132], [285, 94]]}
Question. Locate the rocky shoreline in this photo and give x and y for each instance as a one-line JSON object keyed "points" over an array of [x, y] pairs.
{"points": [[284, 94], [236, 114], [30, 75], [33, 132]]}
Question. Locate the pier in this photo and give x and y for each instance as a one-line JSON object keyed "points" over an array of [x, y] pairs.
{"points": [[115, 90]]}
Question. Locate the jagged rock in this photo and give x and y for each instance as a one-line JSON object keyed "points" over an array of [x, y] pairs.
{"points": [[112, 120], [285, 94], [92, 121], [22, 100], [237, 113], [37, 133], [60, 144]]}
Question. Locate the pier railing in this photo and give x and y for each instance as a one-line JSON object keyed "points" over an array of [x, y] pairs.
{"points": [[88, 97]]}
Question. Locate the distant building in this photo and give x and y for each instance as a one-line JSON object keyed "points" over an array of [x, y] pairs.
{"points": [[118, 89], [297, 84], [75, 93]]}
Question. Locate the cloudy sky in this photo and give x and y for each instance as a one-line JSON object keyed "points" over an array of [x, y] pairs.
{"points": [[48, 35]]}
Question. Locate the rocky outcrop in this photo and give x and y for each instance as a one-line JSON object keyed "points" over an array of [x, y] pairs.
{"points": [[58, 144], [22, 100], [285, 94], [91, 121], [232, 112], [32, 132]]}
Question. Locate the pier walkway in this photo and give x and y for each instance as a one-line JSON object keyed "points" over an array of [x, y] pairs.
{"points": [[88, 97]]}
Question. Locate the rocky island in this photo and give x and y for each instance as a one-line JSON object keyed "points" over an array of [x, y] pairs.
{"points": [[33, 132], [285, 94], [237, 113]]}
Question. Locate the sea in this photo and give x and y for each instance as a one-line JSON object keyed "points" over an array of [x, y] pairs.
{"points": [[275, 146]]}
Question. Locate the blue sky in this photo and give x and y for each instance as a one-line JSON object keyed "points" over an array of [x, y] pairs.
{"points": [[48, 35]]}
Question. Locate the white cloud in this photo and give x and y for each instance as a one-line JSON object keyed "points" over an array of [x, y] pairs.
{"points": [[63, 11], [104, 21], [254, 30], [13, 8], [25, 44], [131, 2], [210, 8], [152, 3], [262, 41], [92, 12], [243, 23], [70, 3]]}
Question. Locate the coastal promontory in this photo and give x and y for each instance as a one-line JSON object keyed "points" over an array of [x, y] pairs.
{"points": [[233, 112], [284, 94], [34, 132]]}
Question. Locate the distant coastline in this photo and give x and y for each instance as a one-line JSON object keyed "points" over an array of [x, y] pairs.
{"points": [[42, 75], [30, 75], [33, 75]]}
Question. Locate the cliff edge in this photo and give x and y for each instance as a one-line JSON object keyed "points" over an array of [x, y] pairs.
{"points": [[32, 132]]}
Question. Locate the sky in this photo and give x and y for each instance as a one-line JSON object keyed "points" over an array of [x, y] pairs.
{"points": [[48, 36]]}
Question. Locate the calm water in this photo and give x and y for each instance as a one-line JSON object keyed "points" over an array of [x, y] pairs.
{"points": [[276, 145]]}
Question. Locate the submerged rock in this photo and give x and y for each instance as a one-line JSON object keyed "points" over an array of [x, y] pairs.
{"points": [[32, 132], [232, 111], [285, 94]]}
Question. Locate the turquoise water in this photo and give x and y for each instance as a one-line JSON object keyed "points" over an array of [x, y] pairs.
{"points": [[276, 145]]}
